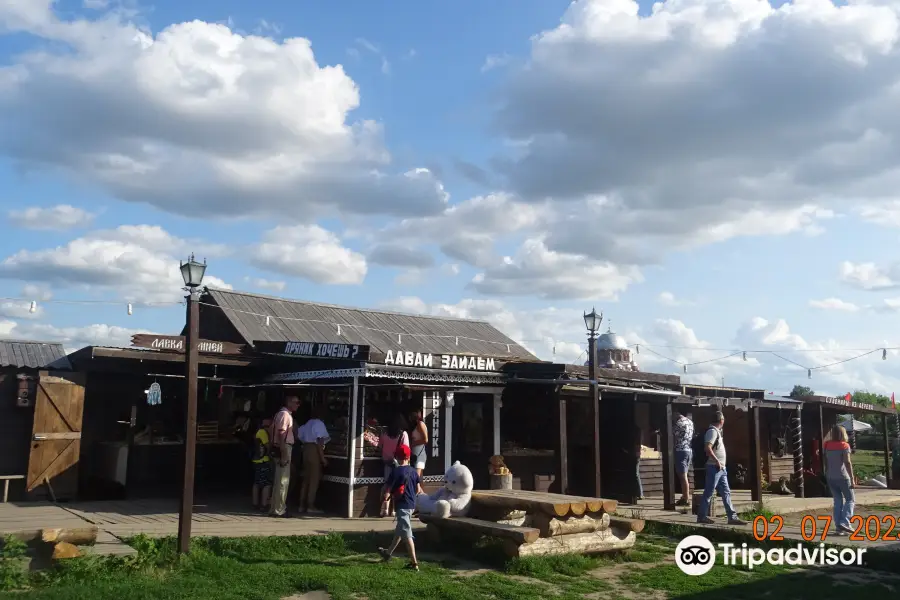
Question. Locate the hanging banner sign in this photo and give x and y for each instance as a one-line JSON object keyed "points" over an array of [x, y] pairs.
{"points": [[315, 349], [449, 362], [851, 404], [176, 343]]}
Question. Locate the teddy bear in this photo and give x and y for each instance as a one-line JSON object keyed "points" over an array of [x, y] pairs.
{"points": [[453, 499]]}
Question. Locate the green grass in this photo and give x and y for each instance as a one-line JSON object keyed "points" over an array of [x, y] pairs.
{"points": [[867, 463], [347, 568], [760, 510]]}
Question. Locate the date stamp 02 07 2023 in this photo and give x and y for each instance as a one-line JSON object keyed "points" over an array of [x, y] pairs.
{"points": [[817, 527]]}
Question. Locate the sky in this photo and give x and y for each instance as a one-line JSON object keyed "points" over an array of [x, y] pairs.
{"points": [[718, 177]]}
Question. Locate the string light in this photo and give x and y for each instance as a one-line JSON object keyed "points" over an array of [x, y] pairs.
{"points": [[33, 306]]}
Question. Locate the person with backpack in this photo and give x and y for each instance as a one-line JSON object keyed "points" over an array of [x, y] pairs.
{"points": [[403, 485], [263, 467], [716, 475], [394, 437]]}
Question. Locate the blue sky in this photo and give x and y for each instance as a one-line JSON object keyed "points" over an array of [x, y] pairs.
{"points": [[665, 168]]}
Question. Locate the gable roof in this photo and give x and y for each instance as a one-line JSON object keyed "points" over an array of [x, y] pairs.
{"points": [[294, 320], [32, 354]]}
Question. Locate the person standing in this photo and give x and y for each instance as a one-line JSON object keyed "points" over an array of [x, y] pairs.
{"points": [[403, 486], [282, 447], [716, 474], [418, 441], [839, 474], [394, 436], [683, 433], [263, 467], [313, 435]]}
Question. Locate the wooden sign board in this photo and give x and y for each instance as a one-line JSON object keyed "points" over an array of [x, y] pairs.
{"points": [[447, 362], [176, 343], [315, 350]]}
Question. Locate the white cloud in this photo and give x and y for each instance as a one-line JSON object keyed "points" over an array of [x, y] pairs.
{"points": [[60, 217], [72, 338], [653, 132], [541, 272], [669, 299], [132, 261], [266, 284], [869, 276], [310, 252], [197, 119], [394, 254], [495, 61], [834, 304]]}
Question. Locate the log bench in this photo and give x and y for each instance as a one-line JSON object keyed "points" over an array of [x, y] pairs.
{"points": [[536, 524]]}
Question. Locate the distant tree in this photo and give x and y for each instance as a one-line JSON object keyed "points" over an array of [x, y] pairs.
{"points": [[871, 398], [800, 391]]}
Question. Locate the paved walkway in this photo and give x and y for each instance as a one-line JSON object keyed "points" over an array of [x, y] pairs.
{"points": [[118, 520], [651, 510]]}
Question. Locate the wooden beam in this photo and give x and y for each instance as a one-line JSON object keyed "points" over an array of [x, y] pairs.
{"points": [[605, 540], [552, 504], [821, 439], [635, 525], [755, 456], [668, 460], [520, 535], [887, 450], [553, 527], [563, 464], [595, 415]]}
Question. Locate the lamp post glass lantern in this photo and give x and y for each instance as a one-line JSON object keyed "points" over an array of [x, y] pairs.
{"points": [[592, 321], [192, 272]]}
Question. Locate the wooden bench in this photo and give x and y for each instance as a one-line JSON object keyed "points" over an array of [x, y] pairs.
{"points": [[477, 528], [6, 479], [537, 523]]}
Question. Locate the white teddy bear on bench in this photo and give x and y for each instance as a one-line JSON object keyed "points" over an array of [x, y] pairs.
{"points": [[453, 499]]}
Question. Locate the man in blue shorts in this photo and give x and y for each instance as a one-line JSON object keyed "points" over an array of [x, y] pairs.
{"points": [[683, 432]]}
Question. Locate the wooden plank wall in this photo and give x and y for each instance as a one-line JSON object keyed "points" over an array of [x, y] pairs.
{"points": [[15, 432], [652, 477]]}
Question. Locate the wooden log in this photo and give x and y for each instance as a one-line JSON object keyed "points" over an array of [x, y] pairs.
{"points": [[81, 536], [551, 526], [487, 513], [520, 535], [64, 550], [553, 504], [597, 542], [635, 525]]}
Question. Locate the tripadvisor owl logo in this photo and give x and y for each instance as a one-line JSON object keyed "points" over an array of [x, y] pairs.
{"points": [[695, 555]]}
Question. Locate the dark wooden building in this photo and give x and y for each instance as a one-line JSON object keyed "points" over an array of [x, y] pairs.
{"points": [[28, 399]]}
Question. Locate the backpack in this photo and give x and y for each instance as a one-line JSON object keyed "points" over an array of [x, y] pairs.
{"points": [[718, 441], [260, 449]]}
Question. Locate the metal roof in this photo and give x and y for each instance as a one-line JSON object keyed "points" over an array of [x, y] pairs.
{"points": [[33, 355], [295, 320]]}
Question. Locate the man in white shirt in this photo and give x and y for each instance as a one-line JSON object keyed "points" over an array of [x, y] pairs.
{"points": [[282, 440], [313, 435]]}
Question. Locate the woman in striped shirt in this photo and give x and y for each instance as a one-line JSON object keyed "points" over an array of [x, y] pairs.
{"points": [[839, 473]]}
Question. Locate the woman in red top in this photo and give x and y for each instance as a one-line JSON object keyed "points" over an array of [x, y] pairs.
{"points": [[839, 474]]}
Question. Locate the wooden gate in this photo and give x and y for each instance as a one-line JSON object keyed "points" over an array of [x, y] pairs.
{"points": [[56, 434]]}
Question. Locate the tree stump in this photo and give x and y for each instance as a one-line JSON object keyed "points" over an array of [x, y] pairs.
{"points": [[501, 482]]}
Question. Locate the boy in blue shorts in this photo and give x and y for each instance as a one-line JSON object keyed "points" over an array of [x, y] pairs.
{"points": [[403, 484]]}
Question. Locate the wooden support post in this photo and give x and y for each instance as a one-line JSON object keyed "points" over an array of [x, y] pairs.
{"points": [[498, 404], [352, 429], [821, 439], [636, 442], [595, 415], [797, 439], [668, 460], [755, 456], [887, 451], [563, 464], [449, 402], [186, 511]]}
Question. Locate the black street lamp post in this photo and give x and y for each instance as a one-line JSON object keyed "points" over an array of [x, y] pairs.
{"points": [[592, 321], [192, 272]]}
